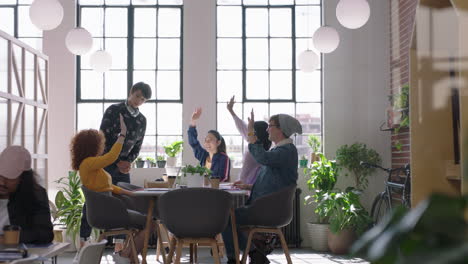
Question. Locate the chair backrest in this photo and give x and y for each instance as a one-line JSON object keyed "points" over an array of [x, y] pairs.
{"points": [[104, 211], [273, 210], [195, 212], [92, 253]]}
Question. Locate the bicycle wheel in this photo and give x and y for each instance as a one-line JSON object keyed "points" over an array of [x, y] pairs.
{"points": [[380, 207]]}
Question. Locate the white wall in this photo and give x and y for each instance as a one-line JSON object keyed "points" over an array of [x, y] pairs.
{"points": [[356, 78], [62, 98], [356, 81]]}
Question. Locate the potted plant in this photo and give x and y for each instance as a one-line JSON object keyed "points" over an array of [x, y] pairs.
{"points": [[350, 158], [314, 143], [151, 162], [161, 161], [321, 179], [195, 175], [435, 231], [348, 219], [69, 201], [303, 161], [140, 163], [171, 151]]}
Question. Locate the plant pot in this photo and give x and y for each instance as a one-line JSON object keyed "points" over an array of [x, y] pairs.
{"points": [[341, 242], [303, 163], [171, 162], [140, 163], [318, 234], [74, 243], [195, 180], [313, 157], [161, 163]]}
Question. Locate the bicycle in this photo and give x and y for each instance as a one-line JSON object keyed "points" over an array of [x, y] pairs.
{"points": [[383, 202]]}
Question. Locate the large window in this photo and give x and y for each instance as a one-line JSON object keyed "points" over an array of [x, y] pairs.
{"points": [[14, 16], [144, 38], [258, 42]]}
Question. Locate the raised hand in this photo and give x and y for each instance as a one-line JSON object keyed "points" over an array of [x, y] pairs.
{"points": [[230, 105], [196, 115], [250, 125], [123, 127]]}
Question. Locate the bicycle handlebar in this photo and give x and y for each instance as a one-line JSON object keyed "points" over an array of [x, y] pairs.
{"points": [[370, 165]]}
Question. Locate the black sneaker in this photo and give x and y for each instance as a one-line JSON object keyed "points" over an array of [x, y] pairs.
{"points": [[231, 261], [257, 257]]}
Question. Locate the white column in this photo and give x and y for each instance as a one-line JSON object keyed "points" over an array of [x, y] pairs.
{"points": [[199, 77], [62, 93]]}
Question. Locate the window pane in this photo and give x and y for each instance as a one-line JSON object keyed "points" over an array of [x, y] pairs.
{"points": [[169, 22], [229, 21], [229, 84], [8, 20], [168, 86], [35, 43], [170, 2], [229, 54], [280, 22], [169, 54], [29, 75], [226, 125], [169, 124], [92, 85], [25, 26], [3, 123], [304, 44], [145, 54], [256, 22], [116, 22], [257, 53], [17, 56], [8, 2], [115, 85], [29, 127], [145, 22], [281, 2], [90, 115], [144, 2], [92, 19], [308, 20], [280, 53], [3, 65], [229, 2], [255, 2], [260, 111], [234, 151], [148, 148], [257, 85], [91, 2], [42, 146], [118, 50], [84, 59], [148, 77], [149, 111], [309, 115], [282, 108], [19, 131], [167, 140], [305, 2], [280, 85], [117, 2], [308, 86]]}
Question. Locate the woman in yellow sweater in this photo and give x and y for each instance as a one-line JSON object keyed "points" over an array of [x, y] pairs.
{"points": [[87, 148]]}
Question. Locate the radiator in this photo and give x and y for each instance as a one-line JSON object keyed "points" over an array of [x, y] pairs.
{"points": [[292, 232]]}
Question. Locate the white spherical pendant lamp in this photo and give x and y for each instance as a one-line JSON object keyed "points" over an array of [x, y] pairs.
{"points": [[46, 14], [79, 41], [326, 39], [101, 61], [308, 61], [353, 13]]}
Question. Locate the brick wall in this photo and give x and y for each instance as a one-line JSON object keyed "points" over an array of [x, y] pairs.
{"points": [[402, 13]]}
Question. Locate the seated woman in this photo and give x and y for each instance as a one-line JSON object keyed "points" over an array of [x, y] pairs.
{"points": [[86, 151], [250, 167], [23, 202], [213, 156]]}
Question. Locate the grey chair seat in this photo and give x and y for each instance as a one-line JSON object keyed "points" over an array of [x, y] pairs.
{"points": [[137, 203], [137, 220]]}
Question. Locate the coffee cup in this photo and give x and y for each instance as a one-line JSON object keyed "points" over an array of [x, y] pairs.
{"points": [[171, 180], [11, 234], [214, 183]]}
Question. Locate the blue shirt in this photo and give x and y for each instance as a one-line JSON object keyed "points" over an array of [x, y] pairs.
{"points": [[220, 163], [279, 169]]}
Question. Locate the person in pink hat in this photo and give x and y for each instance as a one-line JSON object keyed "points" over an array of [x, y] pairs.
{"points": [[23, 202]]}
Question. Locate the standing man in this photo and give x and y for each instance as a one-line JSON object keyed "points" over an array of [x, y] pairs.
{"points": [[136, 127]]}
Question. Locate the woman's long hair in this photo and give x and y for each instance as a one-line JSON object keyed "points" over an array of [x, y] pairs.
{"points": [[87, 143], [222, 146], [260, 128]]}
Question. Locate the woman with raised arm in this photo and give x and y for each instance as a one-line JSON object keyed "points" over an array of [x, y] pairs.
{"points": [[250, 167], [213, 153]]}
